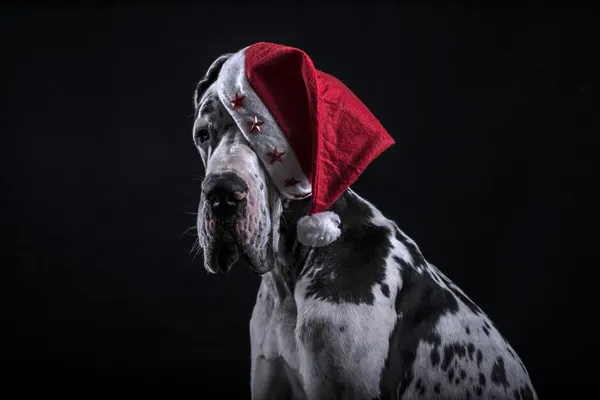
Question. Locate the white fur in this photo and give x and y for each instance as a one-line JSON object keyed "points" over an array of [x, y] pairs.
{"points": [[353, 358], [319, 229]]}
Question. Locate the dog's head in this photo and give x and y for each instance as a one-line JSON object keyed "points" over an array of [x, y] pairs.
{"points": [[239, 206], [324, 134]]}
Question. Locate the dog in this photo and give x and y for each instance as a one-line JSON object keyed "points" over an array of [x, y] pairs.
{"points": [[366, 317]]}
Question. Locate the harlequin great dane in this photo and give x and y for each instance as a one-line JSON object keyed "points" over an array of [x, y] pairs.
{"points": [[366, 317]]}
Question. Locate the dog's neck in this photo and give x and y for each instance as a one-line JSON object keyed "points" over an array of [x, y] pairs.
{"points": [[290, 255]]}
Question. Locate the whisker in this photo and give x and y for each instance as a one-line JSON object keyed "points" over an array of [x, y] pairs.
{"points": [[196, 243], [188, 212], [198, 251], [198, 178], [189, 229], [283, 220]]}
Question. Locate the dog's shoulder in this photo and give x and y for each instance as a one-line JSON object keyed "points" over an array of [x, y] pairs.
{"points": [[345, 301], [356, 267], [374, 284]]}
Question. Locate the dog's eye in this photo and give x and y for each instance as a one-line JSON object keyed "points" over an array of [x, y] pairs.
{"points": [[202, 135]]}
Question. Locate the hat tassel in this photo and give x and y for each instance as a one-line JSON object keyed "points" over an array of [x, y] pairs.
{"points": [[319, 229]]}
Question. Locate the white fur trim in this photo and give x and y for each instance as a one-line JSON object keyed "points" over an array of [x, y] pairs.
{"points": [[232, 80], [319, 229]]}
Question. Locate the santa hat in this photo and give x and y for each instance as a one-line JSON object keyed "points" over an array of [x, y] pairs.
{"points": [[313, 135]]}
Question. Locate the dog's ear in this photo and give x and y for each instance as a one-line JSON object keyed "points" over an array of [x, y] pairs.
{"points": [[209, 77]]}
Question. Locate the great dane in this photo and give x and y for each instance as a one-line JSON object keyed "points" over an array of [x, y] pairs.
{"points": [[366, 317]]}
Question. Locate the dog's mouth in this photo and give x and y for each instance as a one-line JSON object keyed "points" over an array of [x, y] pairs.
{"points": [[225, 249], [222, 252]]}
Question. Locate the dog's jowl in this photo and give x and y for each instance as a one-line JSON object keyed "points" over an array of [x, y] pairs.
{"points": [[348, 307]]}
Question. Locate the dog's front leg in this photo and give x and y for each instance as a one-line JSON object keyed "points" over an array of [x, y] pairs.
{"points": [[342, 349], [268, 370], [268, 379]]}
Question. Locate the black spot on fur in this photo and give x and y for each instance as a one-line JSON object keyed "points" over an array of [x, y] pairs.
{"points": [[523, 366], [510, 352], [468, 330], [342, 328], [399, 236], [470, 350], [415, 255], [385, 289], [468, 302], [478, 390], [463, 374], [314, 335], [468, 394], [457, 381], [498, 374], [436, 387], [486, 331], [524, 393], [450, 374], [356, 258], [207, 107], [435, 356], [450, 351], [479, 358], [482, 379], [420, 387]]}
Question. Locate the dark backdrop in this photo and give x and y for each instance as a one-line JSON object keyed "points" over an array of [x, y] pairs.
{"points": [[491, 108]]}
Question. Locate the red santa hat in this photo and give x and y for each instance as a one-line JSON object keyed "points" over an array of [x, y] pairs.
{"points": [[312, 134]]}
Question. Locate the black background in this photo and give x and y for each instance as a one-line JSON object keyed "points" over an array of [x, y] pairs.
{"points": [[491, 108]]}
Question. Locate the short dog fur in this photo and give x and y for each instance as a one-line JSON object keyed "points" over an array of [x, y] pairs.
{"points": [[366, 317]]}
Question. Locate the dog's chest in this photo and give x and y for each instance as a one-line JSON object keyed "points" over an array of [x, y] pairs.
{"points": [[272, 327]]}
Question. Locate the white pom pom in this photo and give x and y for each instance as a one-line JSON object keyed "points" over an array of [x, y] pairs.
{"points": [[319, 229]]}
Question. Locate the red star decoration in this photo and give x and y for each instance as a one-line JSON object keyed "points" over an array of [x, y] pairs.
{"points": [[255, 125], [291, 182], [276, 155], [237, 102], [302, 195]]}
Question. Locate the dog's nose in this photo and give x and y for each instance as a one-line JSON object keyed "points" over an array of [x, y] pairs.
{"points": [[224, 193]]}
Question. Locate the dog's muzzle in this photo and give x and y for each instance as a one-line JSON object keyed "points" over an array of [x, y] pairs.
{"points": [[225, 194]]}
